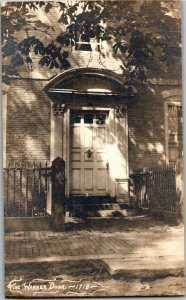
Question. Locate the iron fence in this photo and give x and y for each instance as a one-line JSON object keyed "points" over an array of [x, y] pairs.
{"points": [[155, 188], [26, 189]]}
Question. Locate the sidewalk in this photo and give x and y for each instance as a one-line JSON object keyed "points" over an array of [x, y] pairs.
{"points": [[124, 248], [137, 236]]}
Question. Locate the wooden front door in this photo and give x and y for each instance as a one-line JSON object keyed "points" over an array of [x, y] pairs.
{"points": [[88, 150]]}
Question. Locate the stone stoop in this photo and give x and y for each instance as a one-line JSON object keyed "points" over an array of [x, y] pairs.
{"points": [[104, 210]]}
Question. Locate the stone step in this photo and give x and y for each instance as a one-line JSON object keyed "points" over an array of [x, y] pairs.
{"points": [[90, 200], [110, 213], [101, 206]]}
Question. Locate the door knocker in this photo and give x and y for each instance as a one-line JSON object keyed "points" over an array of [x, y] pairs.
{"points": [[89, 153]]}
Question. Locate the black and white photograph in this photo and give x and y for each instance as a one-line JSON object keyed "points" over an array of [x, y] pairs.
{"points": [[92, 114]]}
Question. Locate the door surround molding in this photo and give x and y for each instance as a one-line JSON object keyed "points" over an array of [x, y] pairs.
{"points": [[93, 89], [117, 140]]}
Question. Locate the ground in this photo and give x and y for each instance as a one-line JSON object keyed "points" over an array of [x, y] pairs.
{"points": [[137, 256]]}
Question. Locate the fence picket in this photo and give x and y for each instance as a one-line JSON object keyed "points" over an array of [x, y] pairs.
{"points": [[39, 187], [33, 187], [155, 188], [46, 184], [26, 190]]}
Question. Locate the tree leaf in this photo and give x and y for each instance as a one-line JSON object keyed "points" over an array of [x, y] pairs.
{"points": [[28, 60], [48, 7]]}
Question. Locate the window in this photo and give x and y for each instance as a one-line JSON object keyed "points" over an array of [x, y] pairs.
{"points": [[75, 117], [88, 118], [174, 126], [88, 44], [100, 118]]}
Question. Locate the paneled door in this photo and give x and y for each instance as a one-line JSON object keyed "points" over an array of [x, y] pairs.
{"points": [[89, 164]]}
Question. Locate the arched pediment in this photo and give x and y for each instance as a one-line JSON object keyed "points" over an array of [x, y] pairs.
{"points": [[86, 82]]}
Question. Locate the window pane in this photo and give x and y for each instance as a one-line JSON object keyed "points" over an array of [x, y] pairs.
{"points": [[172, 111], [75, 117], [173, 153], [172, 137], [179, 109], [88, 118], [175, 132], [100, 118]]}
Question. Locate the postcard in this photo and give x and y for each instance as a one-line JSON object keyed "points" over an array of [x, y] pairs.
{"points": [[92, 148]]}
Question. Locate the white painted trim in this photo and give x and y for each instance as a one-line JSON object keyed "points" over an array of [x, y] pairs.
{"points": [[95, 108], [64, 147], [122, 184], [123, 174], [65, 141], [166, 103], [56, 138], [166, 132], [172, 93], [66, 151], [56, 145], [5, 89], [4, 117], [52, 128], [127, 144], [111, 128]]}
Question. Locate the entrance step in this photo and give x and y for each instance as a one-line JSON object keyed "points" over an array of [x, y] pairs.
{"points": [[105, 213], [107, 210], [101, 206], [89, 200]]}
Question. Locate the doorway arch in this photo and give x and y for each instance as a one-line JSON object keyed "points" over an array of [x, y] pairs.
{"points": [[92, 90]]}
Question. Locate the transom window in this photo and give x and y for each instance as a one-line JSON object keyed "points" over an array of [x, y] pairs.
{"points": [[88, 117]]}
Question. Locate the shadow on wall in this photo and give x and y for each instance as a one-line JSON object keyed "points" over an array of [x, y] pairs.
{"points": [[28, 125], [146, 121], [28, 122]]}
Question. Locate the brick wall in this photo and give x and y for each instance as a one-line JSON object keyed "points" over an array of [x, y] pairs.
{"points": [[146, 129], [28, 122], [28, 119]]}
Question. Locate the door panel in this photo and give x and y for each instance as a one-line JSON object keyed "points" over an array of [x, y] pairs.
{"points": [[76, 176], [88, 182], [101, 177], [100, 156], [76, 137], [88, 137], [88, 153], [100, 137], [76, 156]]}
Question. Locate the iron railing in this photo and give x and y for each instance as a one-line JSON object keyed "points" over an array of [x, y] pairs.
{"points": [[26, 189], [155, 188]]}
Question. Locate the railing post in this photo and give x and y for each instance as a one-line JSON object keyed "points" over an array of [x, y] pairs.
{"points": [[58, 194]]}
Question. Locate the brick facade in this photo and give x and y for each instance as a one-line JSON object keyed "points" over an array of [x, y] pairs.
{"points": [[29, 117], [28, 122], [29, 111]]}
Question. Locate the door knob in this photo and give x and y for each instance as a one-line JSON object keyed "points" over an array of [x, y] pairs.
{"points": [[89, 153]]}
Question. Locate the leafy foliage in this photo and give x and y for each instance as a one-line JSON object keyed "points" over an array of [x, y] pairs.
{"points": [[144, 33]]}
